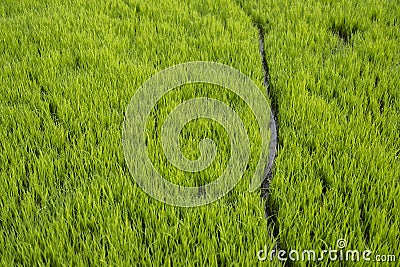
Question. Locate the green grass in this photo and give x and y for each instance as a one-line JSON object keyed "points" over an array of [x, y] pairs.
{"points": [[69, 70], [197, 130], [335, 74]]}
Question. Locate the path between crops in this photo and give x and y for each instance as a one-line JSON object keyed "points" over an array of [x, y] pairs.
{"points": [[270, 213], [273, 147]]}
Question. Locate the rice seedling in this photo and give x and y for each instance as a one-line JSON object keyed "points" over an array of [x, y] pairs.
{"points": [[70, 68]]}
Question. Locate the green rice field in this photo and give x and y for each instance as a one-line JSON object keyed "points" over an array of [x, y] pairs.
{"points": [[70, 68]]}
